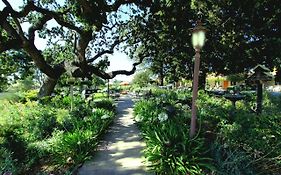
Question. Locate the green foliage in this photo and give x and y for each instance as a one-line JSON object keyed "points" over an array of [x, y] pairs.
{"points": [[11, 96], [229, 141], [7, 163], [31, 95], [170, 151], [73, 147], [106, 104], [34, 135], [14, 65], [236, 77], [142, 79], [232, 161], [148, 110], [13, 141], [164, 94], [244, 136]]}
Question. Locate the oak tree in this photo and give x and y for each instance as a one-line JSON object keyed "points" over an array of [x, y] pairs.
{"points": [[79, 33]]}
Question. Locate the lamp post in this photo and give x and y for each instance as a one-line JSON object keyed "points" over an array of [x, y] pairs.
{"points": [[198, 40]]}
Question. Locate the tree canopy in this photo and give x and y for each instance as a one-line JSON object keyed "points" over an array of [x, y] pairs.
{"points": [[241, 34], [142, 79], [79, 33]]}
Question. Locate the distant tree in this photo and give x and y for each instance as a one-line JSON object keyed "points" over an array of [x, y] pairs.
{"points": [[14, 65], [142, 79]]}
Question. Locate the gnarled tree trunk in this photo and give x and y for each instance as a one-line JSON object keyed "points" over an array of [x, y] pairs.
{"points": [[48, 87]]}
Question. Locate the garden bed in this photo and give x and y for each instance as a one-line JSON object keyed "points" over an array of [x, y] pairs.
{"points": [[47, 137], [227, 142]]}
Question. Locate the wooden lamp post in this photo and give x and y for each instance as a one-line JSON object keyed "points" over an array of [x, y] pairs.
{"points": [[198, 41]]}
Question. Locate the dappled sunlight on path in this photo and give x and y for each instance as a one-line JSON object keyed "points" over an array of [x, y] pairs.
{"points": [[121, 151]]}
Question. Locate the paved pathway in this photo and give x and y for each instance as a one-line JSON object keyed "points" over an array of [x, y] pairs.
{"points": [[120, 152]]}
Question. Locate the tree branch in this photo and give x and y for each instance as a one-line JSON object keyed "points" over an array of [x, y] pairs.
{"points": [[6, 26], [109, 51], [20, 31], [58, 18], [110, 75], [115, 6], [40, 61], [10, 44], [37, 26], [83, 42]]}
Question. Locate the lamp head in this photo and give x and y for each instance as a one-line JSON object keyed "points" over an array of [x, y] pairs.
{"points": [[198, 35]]}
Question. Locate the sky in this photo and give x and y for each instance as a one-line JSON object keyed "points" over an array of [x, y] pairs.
{"points": [[118, 60]]}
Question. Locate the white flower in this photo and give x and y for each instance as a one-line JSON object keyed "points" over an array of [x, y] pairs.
{"points": [[162, 116], [94, 110], [88, 99], [139, 118], [105, 116], [185, 107]]}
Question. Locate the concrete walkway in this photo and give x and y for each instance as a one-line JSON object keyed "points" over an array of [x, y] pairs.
{"points": [[121, 151]]}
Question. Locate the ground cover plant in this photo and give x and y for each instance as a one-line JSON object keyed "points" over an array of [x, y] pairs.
{"points": [[228, 142], [47, 137]]}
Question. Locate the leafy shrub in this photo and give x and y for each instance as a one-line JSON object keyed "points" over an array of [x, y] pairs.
{"points": [[38, 134], [170, 151], [13, 141], [104, 104], [44, 125], [248, 144], [164, 94], [148, 109], [10, 96], [7, 163], [231, 161], [29, 95], [73, 147]]}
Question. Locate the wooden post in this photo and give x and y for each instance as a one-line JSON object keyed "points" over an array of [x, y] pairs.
{"points": [[194, 94], [259, 97], [108, 88], [71, 97]]}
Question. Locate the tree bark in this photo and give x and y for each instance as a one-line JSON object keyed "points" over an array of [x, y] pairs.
{"points": [[48, 87]]}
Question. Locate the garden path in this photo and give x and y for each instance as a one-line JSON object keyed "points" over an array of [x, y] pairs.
{"points": [[121, 151]]}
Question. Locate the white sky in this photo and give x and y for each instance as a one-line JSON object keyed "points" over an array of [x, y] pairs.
{"points": [[118, 60]]}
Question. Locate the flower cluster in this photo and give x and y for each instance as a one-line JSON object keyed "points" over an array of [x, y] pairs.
{"points": [[162, 116], [94, 110], [139, 118], [105, 116]]}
